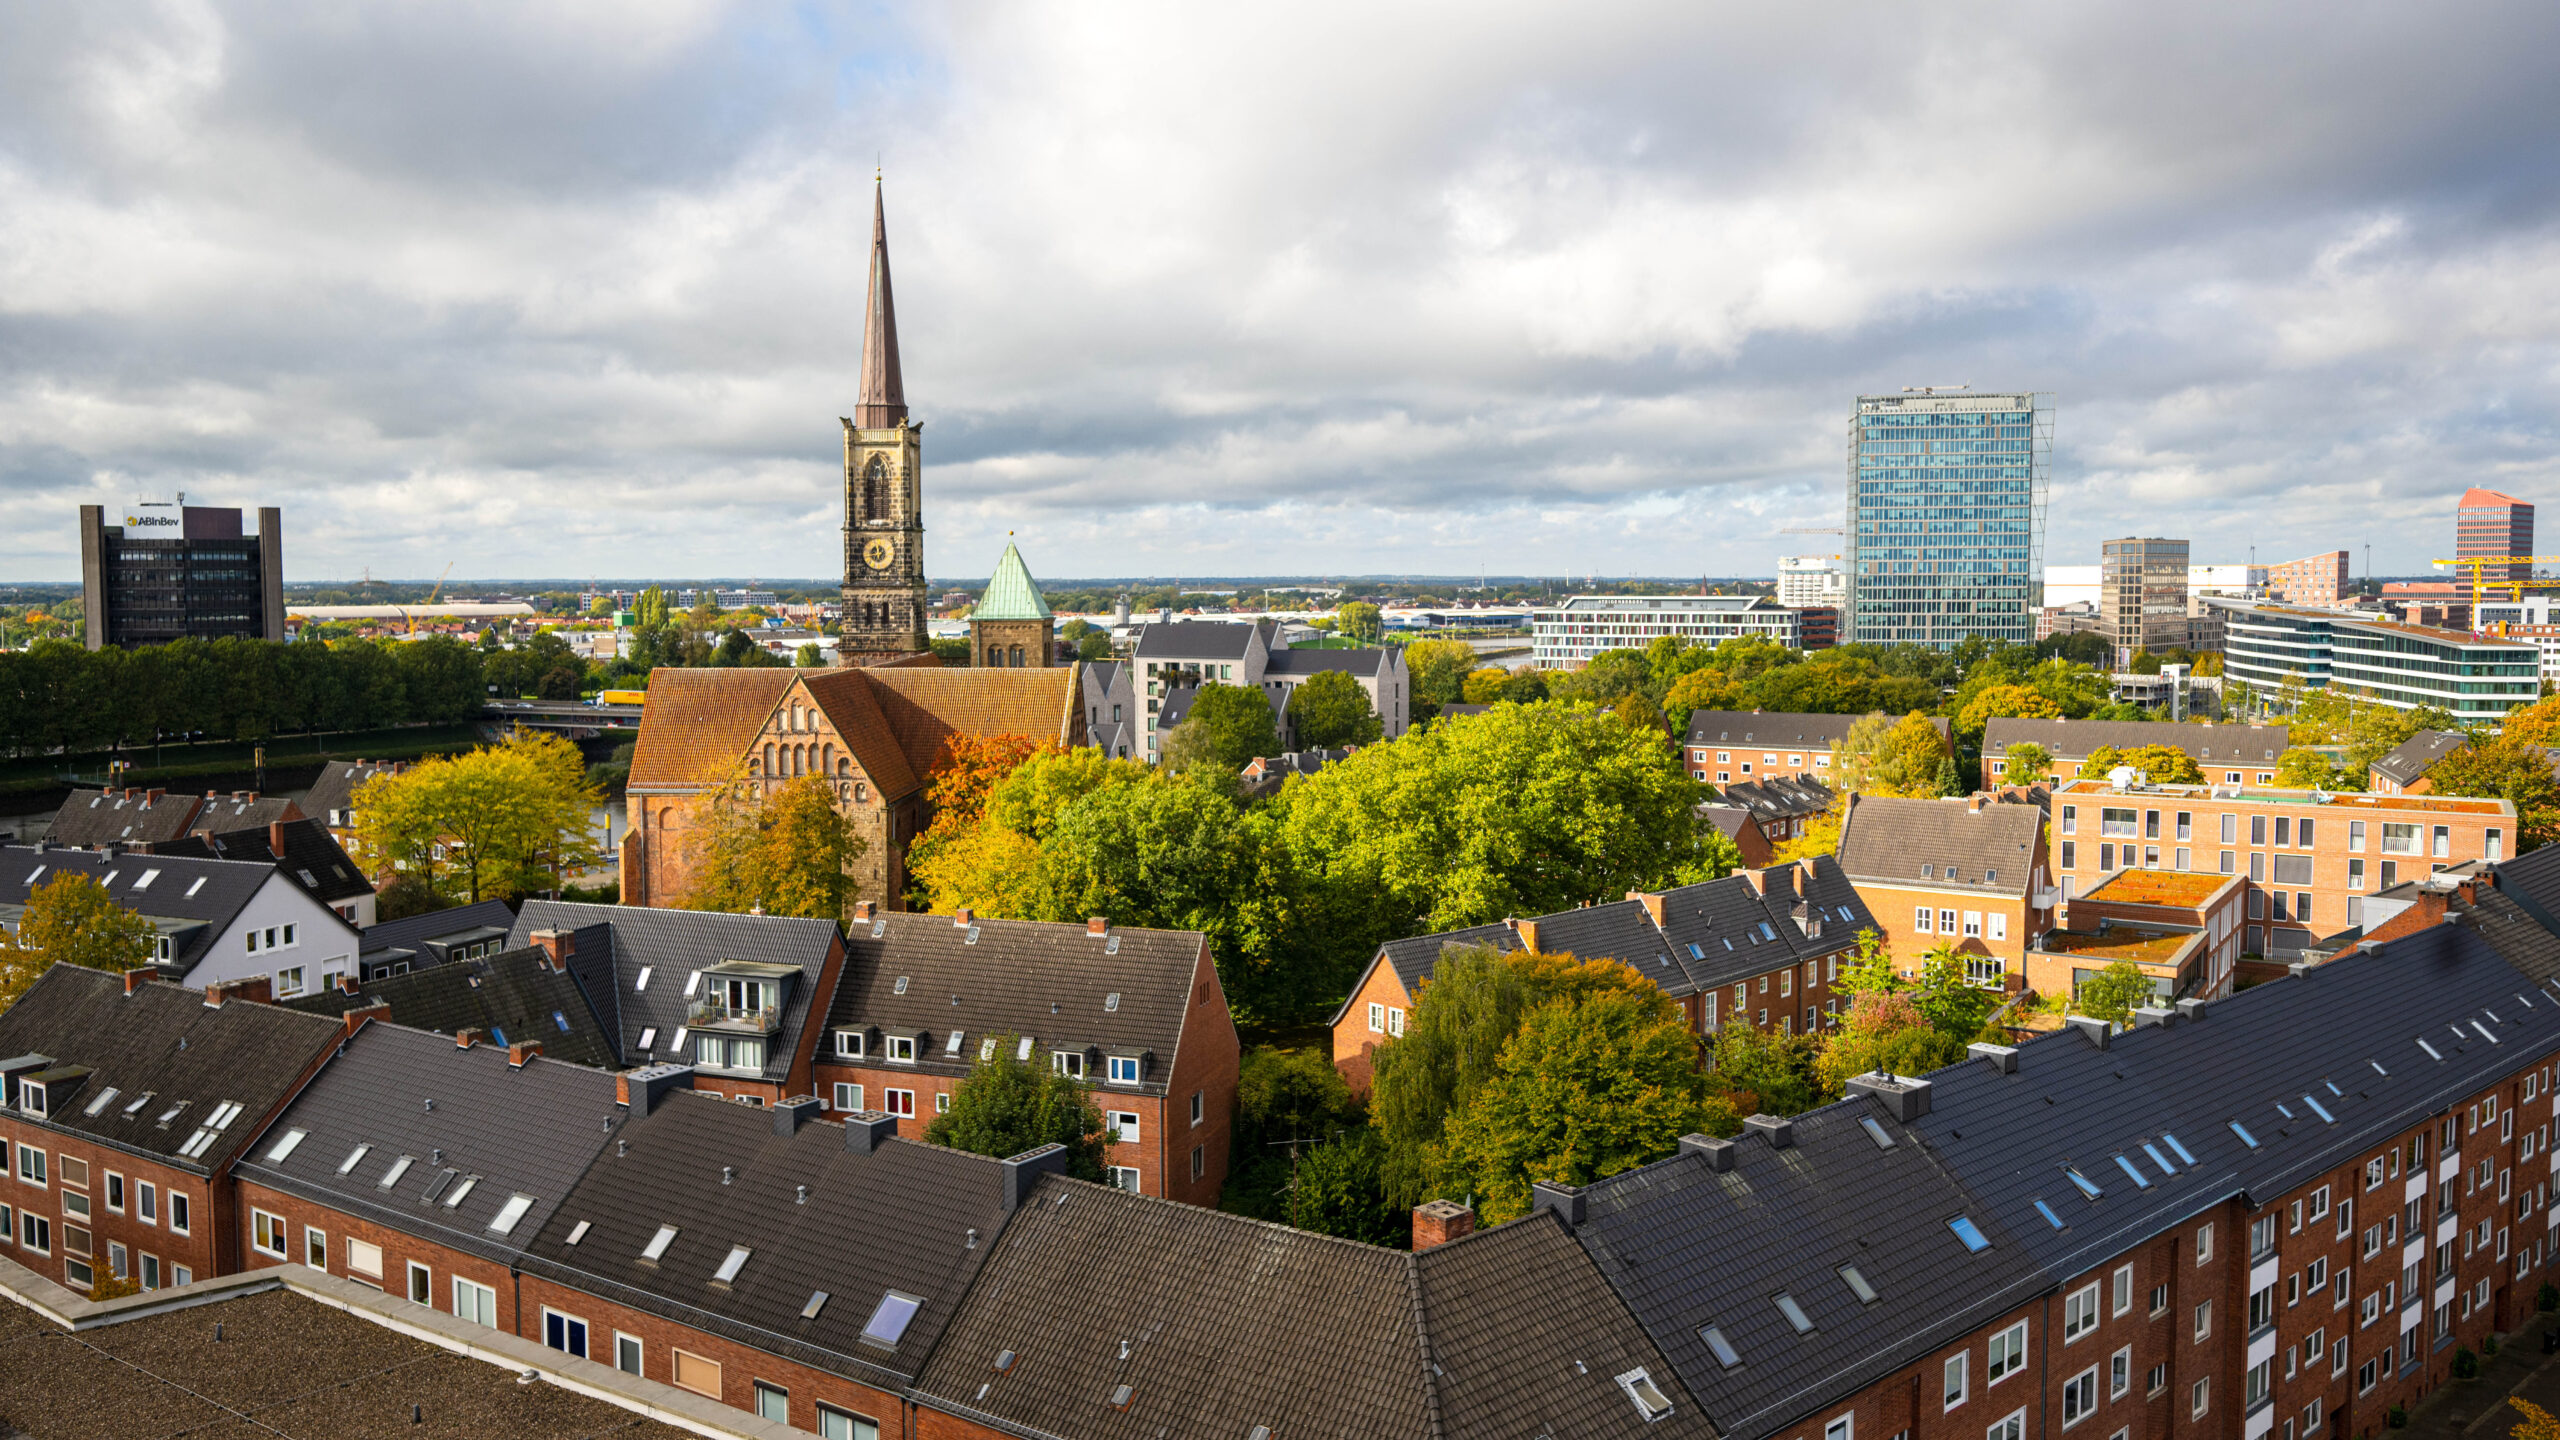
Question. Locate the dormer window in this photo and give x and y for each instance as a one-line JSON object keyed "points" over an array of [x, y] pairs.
{"points": [[902, 1049], [1069, 1063], [1125, 1069], [849, 1044]]}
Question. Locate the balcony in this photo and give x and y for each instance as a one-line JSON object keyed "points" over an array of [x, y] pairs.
{"points": [[715, 1015]]}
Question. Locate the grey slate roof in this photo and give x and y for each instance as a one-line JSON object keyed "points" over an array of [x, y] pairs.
{"points": [[672, 945], [1194, 640], [512, 996], [1417, 956], [2532, 880], [1776, 729], [1176, 706], [1294, 661], [2074, 739], [2520, 939], [335, 790], [1687, 1247], [1230, 1323], [191, 899], [1780, 797], [1051, 982], [1621, 930], [529, 1131], [914, 1218], [1530, 1339], [312, 857], [428, 937], [162, 1042], [106, 817], [2410, 760], [1991, 848]]}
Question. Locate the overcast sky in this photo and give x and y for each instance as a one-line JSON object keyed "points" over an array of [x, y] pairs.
{"points": [[574, 289]]}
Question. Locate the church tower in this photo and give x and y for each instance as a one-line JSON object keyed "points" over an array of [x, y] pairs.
{"points": [[884, 599]]}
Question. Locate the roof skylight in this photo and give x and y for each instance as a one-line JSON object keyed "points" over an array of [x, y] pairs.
{"points": [[1794, 1312], [817, 1302], [889, 1320], [398, 1168], [730, 1267], [454, 1199], [2432, 1052], [2378, 1070], [2140, 1180], [510, 1213], [284, 1147], [2172, 1142], [2484, 1032], [2243, 1132], [578, 1232], [2049, 1217], [658, 1243], [1720, 1347], [2158, 1159], [1858, 1285], [98, 1106], [2320, 1110], [1651, 1403], [1875, 1132], [953, 1048], [2087, 1186], [641, 982], [1970, 1233]]}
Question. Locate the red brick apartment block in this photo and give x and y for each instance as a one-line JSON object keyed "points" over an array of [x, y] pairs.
{"points": [[2230, 753], [2181, 929], [1741, 747], [124, 1104], [1968, 873], [1137, 1014]]}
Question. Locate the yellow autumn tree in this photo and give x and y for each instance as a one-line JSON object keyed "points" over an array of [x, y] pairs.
{"points": [[788, 850], [506, 819], [71, 920]]}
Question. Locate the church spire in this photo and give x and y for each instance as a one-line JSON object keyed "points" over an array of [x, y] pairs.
{"points": [[882, 401]]}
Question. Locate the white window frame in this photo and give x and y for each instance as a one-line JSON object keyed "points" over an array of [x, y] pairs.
{"points": [[2080, 1311], [639, 1353], [2016, 1338], [2082, 1387], [267, 1234], [1377, 1018], [588, 1339], [1955, 1380], [848, 1096]]}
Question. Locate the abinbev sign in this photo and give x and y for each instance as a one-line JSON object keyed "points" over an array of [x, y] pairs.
{"points": [[152, 516]]}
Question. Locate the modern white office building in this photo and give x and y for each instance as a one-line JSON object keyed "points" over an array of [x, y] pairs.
{"points": [[1565, 637], [2474, 677], [1810, 580]]}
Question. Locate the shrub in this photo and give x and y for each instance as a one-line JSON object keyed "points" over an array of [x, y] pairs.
{"points": [[2548, 1298], [2465, 1364]]}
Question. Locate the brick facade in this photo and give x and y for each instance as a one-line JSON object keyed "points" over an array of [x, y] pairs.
{"points": [[110, 1183]]}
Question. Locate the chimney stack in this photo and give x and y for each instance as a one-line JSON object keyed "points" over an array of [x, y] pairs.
{"points": [[519, 1051], [465, 1038], [275, 839], [1437, 1222], [346, 982], [1527, 930], [789, 1115], [639, 1091], [354, 1020], [1023, 1171], [1652, 905], [1097, 924], [253, 987], [862, 910], [868, 1130], [961, 917], [1778, 1132], [1718, 1153], [136, 978], [558, 945], [1565, 1200]]}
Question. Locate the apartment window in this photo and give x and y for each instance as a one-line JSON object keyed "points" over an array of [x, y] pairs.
{"points": [[2258, 1382], [2200, 1396], [2355, 874], [2120, 1373], [2155, 1380], [1377, 1019], [35, 1232], [181, 1213], [2070, 854], [266, 1234], [2257, 829], [2070, 819], [566, 1333], [2231, 823], [2443, 842], [2008, 1352], [1999, 926], [834, 1424], [1973, 923], [2399, 839], [422, 1288], [2204, 1320], [2079, 1313], [1199, 1161], [2355, 835], [2107, 855], [902, 1049], [146, 1202], [1952, 1387], [2204, 1245], [773, 1402], [2123, 1290], [364, 1261], [899, 1102], [315, 1248], [2493, 844], [848, 1097], [1924, 919], [2079, 1397], [31, 1165], [626, 1353], [1069, 1063], [2227, 863], [848, 1044], [2008, 1427], [1199, 1099]]}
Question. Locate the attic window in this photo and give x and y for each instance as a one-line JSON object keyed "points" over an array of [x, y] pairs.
{"points": [[900, 988], [1794, 1312], [309, 880], [561, 1020], [1004, 1361], [2320, 1110], [1697, 951], [730, 1267], [578, 1232], [99, 1105], [1766, 933], [192, 889], [889, 1320], [2087, 1186], [648, 1036], [454, 1199], [398, 1168], [1970, 1233], [986, 1049], [1651, 1403], [284, 1147], [953, 1047], [1720, 1347], [817, 1302], [1858, 1285], [879, 928], [1120, 1397], [2432, 1052], [510, 1213], [2172, 1142], [641, 982], [1024, 1051], [147, 877], [34, 875], [2243, 1132], [354, 1158], [658, 1243], [1926, 873], [1111, 945], [2140, 1180], [973, 936], [2049, 1217], [1876, 1132], [2158, 1159], [1111, 1002], [692, 982]]}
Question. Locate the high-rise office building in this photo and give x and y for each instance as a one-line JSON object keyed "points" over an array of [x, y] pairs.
{"points": [[173, 570], [2142, 594], [2488, 524], [1946, 516]]}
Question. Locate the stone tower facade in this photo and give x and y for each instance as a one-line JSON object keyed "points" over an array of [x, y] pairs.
{"points": [[884, 598]]}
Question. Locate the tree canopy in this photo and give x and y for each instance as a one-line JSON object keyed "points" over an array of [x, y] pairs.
{"points": [[2164, 763], [788, 850], [507, 819], [1008, 1105], [71, 920], [2507, 769], [1228, 725], [1330, 710]]}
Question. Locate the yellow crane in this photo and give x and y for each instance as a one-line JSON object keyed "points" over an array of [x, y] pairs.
{"points": [[2482, 585], [432, 594]]}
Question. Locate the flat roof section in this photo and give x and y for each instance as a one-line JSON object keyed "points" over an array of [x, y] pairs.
{"points": [[2183, 888], [2251, 795], [2124, 943]]}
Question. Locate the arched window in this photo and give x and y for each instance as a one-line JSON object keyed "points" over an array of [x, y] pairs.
{"points": [[875, 491], [843, 766], [1017, 657], [768, 761]]}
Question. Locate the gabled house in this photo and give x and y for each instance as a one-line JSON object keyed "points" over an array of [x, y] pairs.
{"points": [[515, 997], [303, 850], [124, 1104], [1740, 826], [2228, 754], [218, 920], [331, 800], [415, 942], [739, 998], [1136, 1014], [2404, 769], [95, 819], [1173, 660], [1785, 805], [1739, 747], [1968, 874], [422, 1168]]}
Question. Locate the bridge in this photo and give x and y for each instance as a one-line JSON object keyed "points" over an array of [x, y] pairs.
{"points": [[576, 717]]}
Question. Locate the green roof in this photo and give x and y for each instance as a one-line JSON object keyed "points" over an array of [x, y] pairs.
{"points": [[1011, 592]]}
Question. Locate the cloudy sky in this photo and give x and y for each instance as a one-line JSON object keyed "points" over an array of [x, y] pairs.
{"points": [[572, 289]]}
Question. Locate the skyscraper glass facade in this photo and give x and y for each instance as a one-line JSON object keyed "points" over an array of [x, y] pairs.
{"points": [[1946, 517]]}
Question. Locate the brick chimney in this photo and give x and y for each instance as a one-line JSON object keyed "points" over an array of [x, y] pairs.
{"points": [[255, 987], [152, 797], [862, 910], [519, 1051], [961, 917], [465, 1038], [275, 838], [1527, 930], [354, 1020], [346, 982], [1652, 905], [136, 978], [1437, 1222], [558, 945], [1758, 880], [1097, 924]]}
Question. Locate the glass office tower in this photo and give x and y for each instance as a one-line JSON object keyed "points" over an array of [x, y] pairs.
{"points": [[1946, 516]]}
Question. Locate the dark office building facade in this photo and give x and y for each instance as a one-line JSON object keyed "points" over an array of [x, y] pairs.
{"points": [[168, 571]]}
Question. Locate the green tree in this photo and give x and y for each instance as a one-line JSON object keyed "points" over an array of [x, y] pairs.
{"points": [[1228, 725], [1948, 782], [1763, 1072], [2508, 770], [787, 849], [2165, 764], [809, 656], [1008, 1105], [1708, 689], [1338, 1188], [2028, 763], [71, 920], [1330, 710], [1591, 1085], [1362, 621], [2305, 769], [1883, 1031], [1439, 669], [505, 819], [2112, 993], [2003, 701]]}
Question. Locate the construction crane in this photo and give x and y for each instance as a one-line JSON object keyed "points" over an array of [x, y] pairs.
{"points": [[432, 594], [1814, 530], [2482, 586]]}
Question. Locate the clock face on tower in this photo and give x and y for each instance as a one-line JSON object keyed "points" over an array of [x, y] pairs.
{"points": [[878, 553]]}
